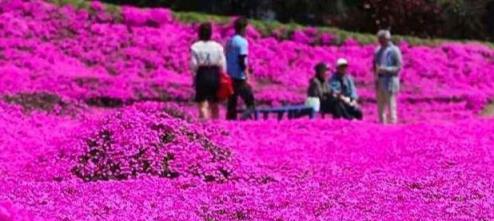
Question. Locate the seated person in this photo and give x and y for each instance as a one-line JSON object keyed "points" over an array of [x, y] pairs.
{"points": [[345, 93], [319, 94]]}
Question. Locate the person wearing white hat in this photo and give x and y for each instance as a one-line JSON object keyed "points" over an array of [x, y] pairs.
{"points": [[387, 65], [343, 88]]}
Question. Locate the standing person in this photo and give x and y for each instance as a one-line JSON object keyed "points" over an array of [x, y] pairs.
{"points": [[207, 63], [237, 51], [387, 66], [345, 92]]}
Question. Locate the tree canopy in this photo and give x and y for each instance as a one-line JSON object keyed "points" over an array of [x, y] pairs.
{"points": [[458, 19]]}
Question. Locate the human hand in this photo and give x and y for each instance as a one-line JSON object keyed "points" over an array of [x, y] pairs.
{"points": [[380, 69], [383, 70], [345, 99]]}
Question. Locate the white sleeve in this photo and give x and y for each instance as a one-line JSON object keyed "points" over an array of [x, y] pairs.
{"points": [[193, 61]]}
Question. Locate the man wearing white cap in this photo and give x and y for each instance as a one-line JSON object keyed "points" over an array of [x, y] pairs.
{"points": [[345, 92], [387, 66]]}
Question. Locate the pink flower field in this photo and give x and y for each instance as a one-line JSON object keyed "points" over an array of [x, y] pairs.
{"points": [[97, 123]]}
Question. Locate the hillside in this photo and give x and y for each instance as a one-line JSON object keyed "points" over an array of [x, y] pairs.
{"points": [[98, 124]]}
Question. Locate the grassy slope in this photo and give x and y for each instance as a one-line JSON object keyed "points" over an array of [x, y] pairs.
{"points": [[489, 110]]}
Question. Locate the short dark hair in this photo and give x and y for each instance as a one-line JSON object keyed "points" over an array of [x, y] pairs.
{"points": [[205, 31], [320, 68], [241, 24]]}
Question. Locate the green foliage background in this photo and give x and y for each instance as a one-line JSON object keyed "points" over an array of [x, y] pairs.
{"points": [[416, 21]]}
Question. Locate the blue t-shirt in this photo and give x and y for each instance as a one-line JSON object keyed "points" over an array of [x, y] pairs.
{"points": [[236, 47]]}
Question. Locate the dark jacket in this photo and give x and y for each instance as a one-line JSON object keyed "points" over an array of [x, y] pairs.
{"points": [[318, 88]]}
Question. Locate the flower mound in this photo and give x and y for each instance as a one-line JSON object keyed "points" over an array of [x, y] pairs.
{"points": [[9, 212], [81, 100], [149, 141]]}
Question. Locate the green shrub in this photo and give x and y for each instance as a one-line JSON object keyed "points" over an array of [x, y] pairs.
{"points": [[267, 28]]}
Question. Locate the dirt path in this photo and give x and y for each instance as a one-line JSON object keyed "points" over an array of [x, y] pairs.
{"points": [[489, 110]]}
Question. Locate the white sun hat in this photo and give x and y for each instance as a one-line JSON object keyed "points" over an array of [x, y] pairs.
{"points": [[341, 62]]}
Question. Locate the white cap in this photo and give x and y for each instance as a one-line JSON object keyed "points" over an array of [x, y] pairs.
{"points": [[384, 33], [341, 62]]}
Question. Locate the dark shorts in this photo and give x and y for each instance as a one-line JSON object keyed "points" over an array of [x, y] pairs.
{"points": [[207, 83]]}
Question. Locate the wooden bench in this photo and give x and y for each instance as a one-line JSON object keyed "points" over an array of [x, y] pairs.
{"points": [[292, 112]]}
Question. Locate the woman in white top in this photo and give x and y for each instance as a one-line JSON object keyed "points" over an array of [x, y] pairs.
{"points": [[207, 63]]}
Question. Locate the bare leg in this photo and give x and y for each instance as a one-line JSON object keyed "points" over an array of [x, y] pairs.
{"points": [[393, 108], [203, 110], [381, 106], [215, 111]]}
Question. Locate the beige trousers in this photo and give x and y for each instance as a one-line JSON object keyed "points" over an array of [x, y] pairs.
{"points": [[387, 107]]}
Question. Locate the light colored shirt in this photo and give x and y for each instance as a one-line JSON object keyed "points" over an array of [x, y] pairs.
{"points": [[389, 58], [236, 47], [343, 85], [207, 53]]}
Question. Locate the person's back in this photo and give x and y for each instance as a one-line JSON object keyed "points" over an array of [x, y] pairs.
{"points": [[236, 47], [208, 54], [207, 61]]}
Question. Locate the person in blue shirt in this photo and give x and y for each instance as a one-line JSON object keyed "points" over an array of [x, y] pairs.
{"points": [[237, 51], [343, 89]]}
